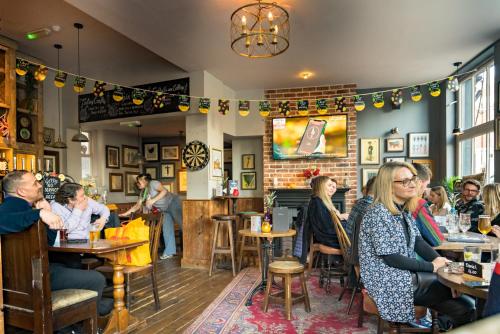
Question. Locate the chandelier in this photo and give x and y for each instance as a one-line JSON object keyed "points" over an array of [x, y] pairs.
{"points": [[260, 30]]}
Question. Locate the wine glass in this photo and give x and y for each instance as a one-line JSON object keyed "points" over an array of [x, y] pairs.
{"points": [[484, 225], [464, 222], [451, 224]]}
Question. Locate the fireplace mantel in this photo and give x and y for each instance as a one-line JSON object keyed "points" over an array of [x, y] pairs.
{"points": [[297, 197]]}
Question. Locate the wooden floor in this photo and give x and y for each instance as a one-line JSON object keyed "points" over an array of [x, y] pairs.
{"points": [[184, 294]]}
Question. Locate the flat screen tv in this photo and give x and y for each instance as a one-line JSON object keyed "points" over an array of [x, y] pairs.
{"points": [[310, 137]]}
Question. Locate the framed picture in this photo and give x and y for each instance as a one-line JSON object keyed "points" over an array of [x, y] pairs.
{"points": [[168, 170], [399, 159], [248, 161], [370, 151], [151, 151], [183, 164], [51, 161], [128, 156], [394, 145], [182, 181], [216, 163], [367, 174], [130, 184], [425, 162], [153, 171], [248, 180], [49, 136], [115, 182], [418, 145], [168, 186], [497, 132], [112, 157], [170, 152], [228, 155]]}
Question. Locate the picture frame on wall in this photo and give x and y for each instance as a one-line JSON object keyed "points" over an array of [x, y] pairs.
{"points": [[182, 181], [398, 159], [418, 145], [369, 151], [216, 163], [112, 157], [49, 136], [167, 170], [168, 186], [394, 144], [248, 180], [151, 151], [51, 161], [248, 161], [115, 182], [228, 155], [367, 174], [170, 152], [130, 184], [129, 154], [426, 162], [153, 171]]}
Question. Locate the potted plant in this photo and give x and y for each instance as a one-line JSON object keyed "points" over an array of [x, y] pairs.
{"points": [[268, 204]]}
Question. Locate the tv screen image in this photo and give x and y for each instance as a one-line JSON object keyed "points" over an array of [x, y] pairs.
{"points": [[310, 137]]}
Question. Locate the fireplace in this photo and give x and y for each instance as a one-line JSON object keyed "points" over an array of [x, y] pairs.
{"points": [[295, 198]]}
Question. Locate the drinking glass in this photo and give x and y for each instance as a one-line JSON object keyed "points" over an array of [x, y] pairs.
{"points": [[95, 233], [472, 253], [484, 225], [494, 253], [63, 234], [464, 222], [451, 224]]}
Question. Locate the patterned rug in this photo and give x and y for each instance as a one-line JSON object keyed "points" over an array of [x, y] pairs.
{"points": [[228, 313]]}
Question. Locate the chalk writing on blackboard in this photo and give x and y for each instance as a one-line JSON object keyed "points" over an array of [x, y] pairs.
{"points": [[51, 185]]}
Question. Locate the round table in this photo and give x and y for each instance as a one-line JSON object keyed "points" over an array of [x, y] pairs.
{"points": [[458, 247], [266, 245], [456, 282]]}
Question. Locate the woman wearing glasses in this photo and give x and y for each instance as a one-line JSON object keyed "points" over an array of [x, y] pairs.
{"points": [[388, 243]]}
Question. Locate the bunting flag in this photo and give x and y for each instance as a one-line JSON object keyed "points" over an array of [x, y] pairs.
{"points": [[22, 67], [284, 108], [60, 79], [434, 89], [339, 104], [359, 104], [415, 93], [118, 94], [41, 73], [79, 84], [321, 106], [159, 100], [138, 97], [396, 98], [223, 107], [264, 108], [183, 103], [98, 89], [204, 105], [378, 100], [453, 85], [244, 108], [303, 107]]}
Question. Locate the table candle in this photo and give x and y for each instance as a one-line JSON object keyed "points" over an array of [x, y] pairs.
{"points": [[47, 165], [33, 164], [23, 164], [39, 164], [15, 163]]}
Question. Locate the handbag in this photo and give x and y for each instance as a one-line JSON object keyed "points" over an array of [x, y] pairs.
{"points": [[134, 230]]}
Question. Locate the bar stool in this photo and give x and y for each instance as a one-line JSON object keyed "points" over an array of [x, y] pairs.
{"points": [[248, 244], [286, 270], [219, 221]]}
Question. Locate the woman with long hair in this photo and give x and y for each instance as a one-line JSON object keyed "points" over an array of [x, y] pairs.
{"points": [[388, 243], [440, 203], [491, 198], [154, 196]]}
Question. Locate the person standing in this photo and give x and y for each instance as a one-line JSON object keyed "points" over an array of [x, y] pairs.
{"points": [[469, 202]]}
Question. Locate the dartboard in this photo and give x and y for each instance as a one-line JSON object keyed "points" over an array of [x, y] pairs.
{"points": [[195, 155]]}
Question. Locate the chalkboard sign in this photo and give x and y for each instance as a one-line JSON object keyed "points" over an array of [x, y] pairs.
{"points": [[51, 185], [93, 108], [473, 268]]}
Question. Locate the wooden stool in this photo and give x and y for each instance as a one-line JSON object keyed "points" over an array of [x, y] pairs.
{"points": [[253, 245], [335, 271], [286, 270], [219, 220]]}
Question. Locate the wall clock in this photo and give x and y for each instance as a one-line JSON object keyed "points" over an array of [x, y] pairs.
{"points": [[195, 155]]}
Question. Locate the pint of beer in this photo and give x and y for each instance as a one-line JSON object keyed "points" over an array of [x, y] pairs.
{"points": [[484, 224]]}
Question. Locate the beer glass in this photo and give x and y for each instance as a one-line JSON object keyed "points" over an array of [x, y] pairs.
{"points": [[95, 233], [484, 225]]}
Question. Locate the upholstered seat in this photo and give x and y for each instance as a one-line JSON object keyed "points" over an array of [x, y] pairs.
{"points": [[286, 267], [67, 297]]}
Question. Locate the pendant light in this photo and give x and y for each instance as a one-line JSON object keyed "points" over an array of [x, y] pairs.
{"points": [[59, 143], [139, 159], [79, 137], [456, 131]]}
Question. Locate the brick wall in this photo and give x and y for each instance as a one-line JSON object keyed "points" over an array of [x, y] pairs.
{"points": [[289, 172]]}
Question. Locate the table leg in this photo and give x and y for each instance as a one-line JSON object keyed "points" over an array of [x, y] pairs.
{"points": [[266, 246]]}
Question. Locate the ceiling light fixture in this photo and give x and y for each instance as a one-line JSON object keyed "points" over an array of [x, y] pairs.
{"points": [[59, 143], [260, 30], [79, 137], [38, 33], [305, 75]]}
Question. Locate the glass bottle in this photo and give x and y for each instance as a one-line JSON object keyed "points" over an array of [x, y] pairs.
{"points": [[4, 165]]}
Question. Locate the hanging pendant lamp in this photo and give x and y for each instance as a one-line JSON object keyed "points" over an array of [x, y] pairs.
{"points": [[139, 159], [59, 143], [79, 137]]}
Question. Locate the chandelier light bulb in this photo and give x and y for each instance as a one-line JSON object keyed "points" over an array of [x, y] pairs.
{"points": [[260, 40], [270, 18]]}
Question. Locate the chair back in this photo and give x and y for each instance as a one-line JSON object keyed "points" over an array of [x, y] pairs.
{"points": [[155, 223], [345, 243], [26, 279]]}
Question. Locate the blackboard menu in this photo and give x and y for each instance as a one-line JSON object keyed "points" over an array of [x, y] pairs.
{"points": [[93, 108], [51, 185]]}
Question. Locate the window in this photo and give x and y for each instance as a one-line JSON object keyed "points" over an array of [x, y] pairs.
{"points": [[476, 117], [86, 161]]}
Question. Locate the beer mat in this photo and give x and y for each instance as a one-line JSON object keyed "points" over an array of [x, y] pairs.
{"points": [[468, 239]]}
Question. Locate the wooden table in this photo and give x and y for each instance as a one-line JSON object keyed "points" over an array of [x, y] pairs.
{"points": [[456, 282], [266, 245], [459, 246], [108, 249]]}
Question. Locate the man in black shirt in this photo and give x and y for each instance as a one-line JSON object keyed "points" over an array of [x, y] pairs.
{"points": [[469, 202]]}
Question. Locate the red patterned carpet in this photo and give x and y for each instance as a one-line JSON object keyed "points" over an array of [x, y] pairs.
{"points": [[228, 313]]}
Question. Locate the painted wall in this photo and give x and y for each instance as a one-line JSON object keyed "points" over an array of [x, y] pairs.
{"points": [[248, 146]]}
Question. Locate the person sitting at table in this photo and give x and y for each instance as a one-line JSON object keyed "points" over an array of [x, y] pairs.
{"points": [[154, 196], [23, 190], [388, 243], [469, 202], [491, 198], [424, 220], [440, 204]]}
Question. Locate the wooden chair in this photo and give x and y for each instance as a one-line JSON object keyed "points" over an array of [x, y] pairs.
{"points": [[248, 244], [219, 221], [155, 223], [29, 302], [345, 245], [313, 249]]}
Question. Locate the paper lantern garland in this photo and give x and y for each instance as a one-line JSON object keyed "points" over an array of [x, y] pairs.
{"points": [[339, 104], [284, 108], [359, 104], [378, 100], [204, 105], [183, 103], [223, 107], [159, 100], [244, 108], [138, 97], [321, 106], [264, 108], [453, 85], [79, 84], [303, 107], [98, 89], [41, 73], [118, 94], [434, 89], [415, 93], [22, 67], [60, 79], [396, 98]]}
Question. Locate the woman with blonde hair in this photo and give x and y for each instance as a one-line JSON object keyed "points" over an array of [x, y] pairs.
{"points": [[440, 204], [491, 199], [388, 243]]}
